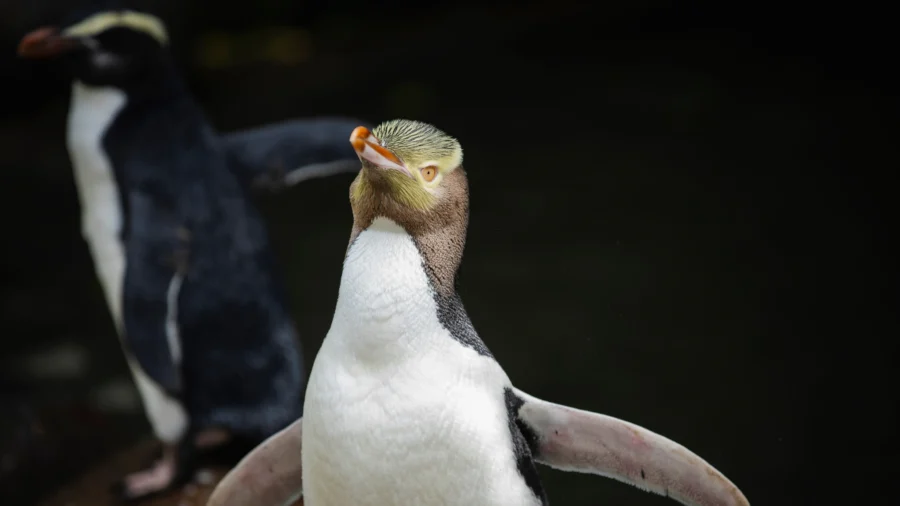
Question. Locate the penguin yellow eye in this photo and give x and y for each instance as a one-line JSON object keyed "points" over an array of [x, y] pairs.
{"points": [[428, 173]]}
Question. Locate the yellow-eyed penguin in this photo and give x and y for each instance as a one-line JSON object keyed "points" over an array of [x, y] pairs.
{"points": [[405, 404]]}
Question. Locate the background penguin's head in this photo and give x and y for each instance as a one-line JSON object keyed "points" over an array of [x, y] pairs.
{"points": [[126, 49]]}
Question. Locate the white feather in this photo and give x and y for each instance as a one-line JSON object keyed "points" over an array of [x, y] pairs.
{"points": [[398, 412], [91, 112], [173, 330]]}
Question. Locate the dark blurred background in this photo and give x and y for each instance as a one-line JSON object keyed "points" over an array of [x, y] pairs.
{"points": [[680, 217]]}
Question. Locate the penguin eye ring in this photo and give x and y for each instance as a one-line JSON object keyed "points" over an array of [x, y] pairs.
{"points": [[428, 173]]}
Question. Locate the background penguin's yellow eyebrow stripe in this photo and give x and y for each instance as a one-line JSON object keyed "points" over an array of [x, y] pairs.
{"points": [[97, 23]]}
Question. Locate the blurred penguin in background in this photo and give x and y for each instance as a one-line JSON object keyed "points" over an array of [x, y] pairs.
{"points": [[183, 256]]}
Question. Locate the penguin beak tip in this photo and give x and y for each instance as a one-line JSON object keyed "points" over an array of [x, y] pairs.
{"points": [[44, 42], [369, 148]]}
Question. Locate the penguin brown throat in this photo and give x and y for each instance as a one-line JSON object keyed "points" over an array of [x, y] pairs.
{"points": [[439, 232]]}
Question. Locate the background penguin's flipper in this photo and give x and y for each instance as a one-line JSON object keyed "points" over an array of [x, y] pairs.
{"points": [[574, 440], [284, 154], [147, 312], [157, 259], [270, 475]]}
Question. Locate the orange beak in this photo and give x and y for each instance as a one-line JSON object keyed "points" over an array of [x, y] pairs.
{"points": [[369, 149], [45, 42]]}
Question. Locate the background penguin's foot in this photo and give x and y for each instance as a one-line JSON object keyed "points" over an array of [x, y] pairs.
{"points": [[177, 466], [161, 477]]}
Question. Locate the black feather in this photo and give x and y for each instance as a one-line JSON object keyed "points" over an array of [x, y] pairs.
{"points": [[524, 442]]}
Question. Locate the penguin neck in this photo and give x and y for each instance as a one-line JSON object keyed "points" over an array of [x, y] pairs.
{"points": [[92, 111], [439, 235], [117, 125], [386, 307]]}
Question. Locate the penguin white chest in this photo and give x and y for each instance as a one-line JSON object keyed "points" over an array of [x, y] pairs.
{"points": [[397, 411], [91, 112]]}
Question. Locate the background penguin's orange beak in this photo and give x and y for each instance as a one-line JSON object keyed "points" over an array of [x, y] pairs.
{"points": [[45, 42]]}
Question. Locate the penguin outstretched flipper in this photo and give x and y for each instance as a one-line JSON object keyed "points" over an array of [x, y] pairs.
{"points": [[560, 437], [270, 475], [283, 154], [571, 439]]}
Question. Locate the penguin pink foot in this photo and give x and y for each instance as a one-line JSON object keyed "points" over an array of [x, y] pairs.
{"points": [[143, 484], [177, 465], [163, 475]]}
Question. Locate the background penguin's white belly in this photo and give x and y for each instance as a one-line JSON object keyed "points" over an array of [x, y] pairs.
{"points": [[91, 112], [396, 411]]}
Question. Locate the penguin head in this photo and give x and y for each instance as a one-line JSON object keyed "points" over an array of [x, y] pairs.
{"points": [[412, 174], [410, 169], [120, 48]]}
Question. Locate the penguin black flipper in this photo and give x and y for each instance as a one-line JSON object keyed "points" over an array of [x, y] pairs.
{"points": [[570, 439], [157, 252], [283, 154], [156, 263]]}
